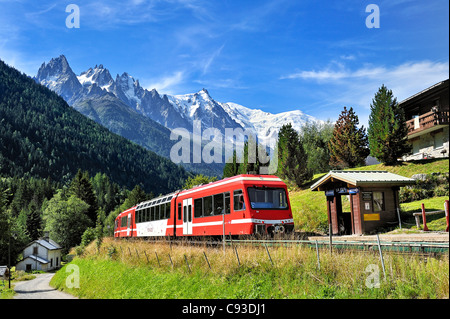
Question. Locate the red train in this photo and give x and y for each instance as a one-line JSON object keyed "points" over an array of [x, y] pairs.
{"points": [[239, 205]]}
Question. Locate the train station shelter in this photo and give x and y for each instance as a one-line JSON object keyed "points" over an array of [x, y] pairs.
{"points": [[372, 198]]}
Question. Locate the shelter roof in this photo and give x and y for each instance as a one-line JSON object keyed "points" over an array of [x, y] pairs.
{"points": [[363, 178]]}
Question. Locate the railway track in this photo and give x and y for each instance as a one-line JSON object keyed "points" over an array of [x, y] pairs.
{"points": [[405, 247], [398, 247]]}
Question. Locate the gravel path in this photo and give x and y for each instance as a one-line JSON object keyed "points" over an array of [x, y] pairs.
{"points": [[39, 288]]}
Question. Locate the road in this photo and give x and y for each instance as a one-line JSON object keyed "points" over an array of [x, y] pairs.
{"points": [[39, 288]]}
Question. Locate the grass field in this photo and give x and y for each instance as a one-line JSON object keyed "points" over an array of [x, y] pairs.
{"points": [[123, 270]]}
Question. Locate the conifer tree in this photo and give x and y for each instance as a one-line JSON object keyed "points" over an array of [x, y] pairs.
{"points": [[81, 187], [387, 128], [292, 158], [349, 144], [231, 168]]}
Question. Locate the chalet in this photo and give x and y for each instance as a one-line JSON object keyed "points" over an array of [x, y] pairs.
{"points": [[42, 254], [427, 118]]}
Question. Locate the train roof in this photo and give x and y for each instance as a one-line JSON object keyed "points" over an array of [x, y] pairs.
{"points": [[156, 201], [237, 178]]}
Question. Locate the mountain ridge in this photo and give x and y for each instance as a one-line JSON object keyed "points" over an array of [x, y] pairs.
{"points": [[147, 117], [171, 111]]}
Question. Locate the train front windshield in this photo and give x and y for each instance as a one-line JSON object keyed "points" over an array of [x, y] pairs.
{"points": [[267, 198]]}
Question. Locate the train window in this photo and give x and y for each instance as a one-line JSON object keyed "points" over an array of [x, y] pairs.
{"points": [[207, 206], [184, 214], [168, 210], [227, 202], [123, 222], [158, 212], [147, 214], [238, 200], [198, 207], [179, 211], [218, 204], [267, 198], [190, 213], [152, 213]]}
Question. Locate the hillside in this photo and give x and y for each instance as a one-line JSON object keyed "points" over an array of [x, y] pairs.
{"points": [[309, 208], [42, 136]]}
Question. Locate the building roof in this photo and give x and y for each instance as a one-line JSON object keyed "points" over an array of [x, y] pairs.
{"points": [[364, 178], [36, 258], [430, 90], [49, 244]]}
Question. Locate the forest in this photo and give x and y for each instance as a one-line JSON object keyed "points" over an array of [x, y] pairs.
{"points": [[45, 148], [41, 136]]}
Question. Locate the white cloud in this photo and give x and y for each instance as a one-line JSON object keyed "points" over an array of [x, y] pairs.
{"points": [[409, 72], [207, 63], [167, 84], [341, 86]]}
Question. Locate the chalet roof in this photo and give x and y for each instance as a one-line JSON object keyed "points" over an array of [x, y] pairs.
{"points": [[49, 244], [37, 258], [429, 90], [364, 178]]}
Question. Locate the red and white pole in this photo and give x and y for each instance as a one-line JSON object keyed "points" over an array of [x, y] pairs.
{"points": [[425, 228]]}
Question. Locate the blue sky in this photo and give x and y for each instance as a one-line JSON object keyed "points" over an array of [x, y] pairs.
{"points": [[275, 55]]}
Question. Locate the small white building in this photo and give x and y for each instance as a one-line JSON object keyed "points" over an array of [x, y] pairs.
{"points": [[42, 254]]}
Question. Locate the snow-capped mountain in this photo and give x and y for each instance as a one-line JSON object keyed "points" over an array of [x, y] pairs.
{"points": [[172, 111], [265, 124]]}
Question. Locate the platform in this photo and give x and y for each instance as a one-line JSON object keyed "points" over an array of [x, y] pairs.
{"points": [[436, 237]]}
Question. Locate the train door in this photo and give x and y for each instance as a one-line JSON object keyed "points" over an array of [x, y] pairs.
{"points": [[129, 228], [187, 216]]}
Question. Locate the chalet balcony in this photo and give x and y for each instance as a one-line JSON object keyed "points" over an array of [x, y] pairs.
{"points": [[427, 122]]}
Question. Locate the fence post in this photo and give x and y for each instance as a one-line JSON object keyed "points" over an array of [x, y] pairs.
{"points": [[185, 258], [425, 228], [267, 249], [170, 260], [318, 258], [446, 213], [330, 230], [137, 254], [204, 254], [381, 256], [157, 259], [146, 256], [237, 256]]}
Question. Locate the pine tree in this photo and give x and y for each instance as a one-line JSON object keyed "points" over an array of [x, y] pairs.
{"points": [[387, 128], [232, 168], [136, 196], [292, 158], [81, 187], [349, 144]]}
